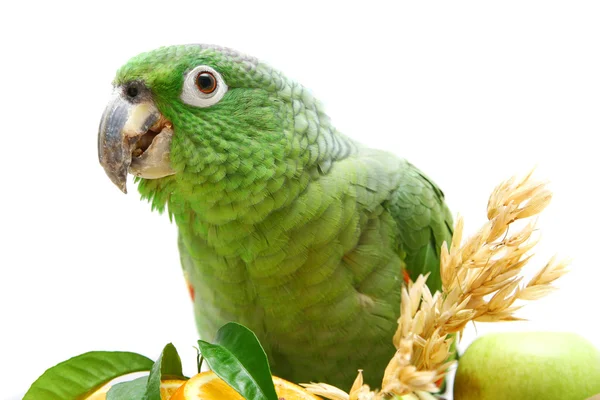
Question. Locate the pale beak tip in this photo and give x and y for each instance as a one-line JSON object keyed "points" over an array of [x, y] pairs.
{"points": [[119, 181]]}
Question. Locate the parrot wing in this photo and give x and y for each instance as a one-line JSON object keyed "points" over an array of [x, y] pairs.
{"points": [[424, 223]]}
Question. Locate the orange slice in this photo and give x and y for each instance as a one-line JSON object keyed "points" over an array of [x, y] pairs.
{"points": [[208, 386], [167, 388]]}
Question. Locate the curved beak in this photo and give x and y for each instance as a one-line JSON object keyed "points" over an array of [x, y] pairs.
{"points": [[133, 137]]}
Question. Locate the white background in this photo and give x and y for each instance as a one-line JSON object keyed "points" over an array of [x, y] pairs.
{"points": [[471, 92]]}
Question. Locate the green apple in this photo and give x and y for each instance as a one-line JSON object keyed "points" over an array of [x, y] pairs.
{"points": [[528, 366]]}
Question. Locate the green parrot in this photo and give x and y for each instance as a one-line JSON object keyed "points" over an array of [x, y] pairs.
{"points": [[285, 225]]}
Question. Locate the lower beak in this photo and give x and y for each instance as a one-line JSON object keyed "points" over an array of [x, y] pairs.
{"points": [[133, 137]]}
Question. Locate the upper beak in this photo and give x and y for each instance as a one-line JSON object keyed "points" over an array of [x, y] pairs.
{"points": [[133, 137]]}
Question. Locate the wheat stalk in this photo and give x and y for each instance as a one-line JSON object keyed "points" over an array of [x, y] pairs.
{"points": [[480, 282]]}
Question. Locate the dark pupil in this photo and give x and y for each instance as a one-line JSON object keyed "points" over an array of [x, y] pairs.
{"points": [[132, 91], [205, 82]]}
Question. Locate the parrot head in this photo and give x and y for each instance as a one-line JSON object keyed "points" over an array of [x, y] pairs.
{"points": [[199, 113]]}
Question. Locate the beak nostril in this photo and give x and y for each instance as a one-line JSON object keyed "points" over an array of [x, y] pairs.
{"points": [[135, 91], [132, 91]]}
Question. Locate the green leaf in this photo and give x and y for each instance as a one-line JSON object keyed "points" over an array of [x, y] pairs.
{"points": [[168, 365], [85, 373], [238, 358], [131, 390]]}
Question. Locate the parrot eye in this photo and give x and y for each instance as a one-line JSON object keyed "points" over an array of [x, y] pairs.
{"points": [[203, 87], [206, 82]]}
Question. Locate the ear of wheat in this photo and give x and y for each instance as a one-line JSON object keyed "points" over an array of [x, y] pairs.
{"points": [[481, 279]]}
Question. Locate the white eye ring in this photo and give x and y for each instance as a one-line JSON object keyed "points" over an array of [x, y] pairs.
{"points": [[192, 95]]}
